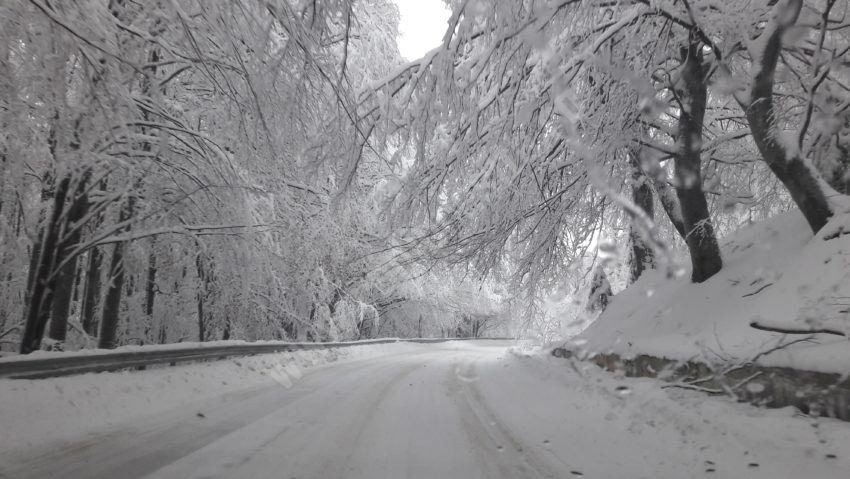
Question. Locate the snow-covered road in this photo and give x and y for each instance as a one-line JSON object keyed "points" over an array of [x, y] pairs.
{"points": [[452, 410]]}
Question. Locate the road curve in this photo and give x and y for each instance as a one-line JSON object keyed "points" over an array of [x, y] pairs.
{"points": [[453, 410]]}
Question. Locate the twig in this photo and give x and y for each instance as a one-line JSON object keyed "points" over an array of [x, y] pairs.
{"points": [[691, 387], [10, 330], [773, 329], [781, 346], [764, 286], [746, 380]]}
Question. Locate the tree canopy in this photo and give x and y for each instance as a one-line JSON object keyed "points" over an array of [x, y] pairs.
{"points": [[239, 169]]}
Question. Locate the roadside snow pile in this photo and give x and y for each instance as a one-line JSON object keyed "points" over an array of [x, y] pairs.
{"points": [[34, 411], [775, 275], [639, 429], [7, 356]]}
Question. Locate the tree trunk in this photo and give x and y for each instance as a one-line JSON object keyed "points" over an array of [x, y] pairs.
{"points": [[163, 334], [202, 286], [70, 233], [225, 334], [93, 282], [202, 333], [150, 291], [108, 338], [62, 301], [91, 292], [699, 232], [150, 286], [600, 291], [801, 180], [642, 255], [47, 192], [42, 281], [670, 203], [78, 281]]}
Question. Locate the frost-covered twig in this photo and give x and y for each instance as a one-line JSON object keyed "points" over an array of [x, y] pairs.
{"points": [[692, 387], [776, 329]]}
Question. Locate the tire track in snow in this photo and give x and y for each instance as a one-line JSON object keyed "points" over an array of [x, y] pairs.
{"points": [[133, 451], [494, 443]]}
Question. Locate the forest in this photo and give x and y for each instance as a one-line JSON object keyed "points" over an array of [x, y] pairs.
{"points": [[191, 170]]}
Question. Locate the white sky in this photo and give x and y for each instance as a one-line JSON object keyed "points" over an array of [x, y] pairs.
{"points": [[423, 23]]}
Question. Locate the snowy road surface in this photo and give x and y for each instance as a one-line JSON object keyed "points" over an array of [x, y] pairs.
{"points": [[453, 410]]}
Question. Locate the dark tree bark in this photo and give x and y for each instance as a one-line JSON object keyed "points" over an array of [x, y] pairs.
{"points": [[93, 283], [309, 334], [43, 282], [91, 292], [108, 337], [62, 302], [642, 255], [290, 328], [670, 203], [201, 297], [789, 166], [70, 235], [78, 283], [225, 334], [47, 193], [150, 293], [699, 232], [839, 177], [600, 291], [150, 286], [202, 333]]}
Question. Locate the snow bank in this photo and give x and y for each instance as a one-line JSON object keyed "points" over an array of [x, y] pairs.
{"points": [[775, 273], [42, 354], [34, 411], [637, 429]]}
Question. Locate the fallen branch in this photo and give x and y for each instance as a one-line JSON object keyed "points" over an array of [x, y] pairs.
{"points": [[10, 330], [780, 347], [747, 379], [691, 387], [758, 290], [774, 329]]}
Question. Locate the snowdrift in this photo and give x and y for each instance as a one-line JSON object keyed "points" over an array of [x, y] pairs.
{"points": [[776, 275]]}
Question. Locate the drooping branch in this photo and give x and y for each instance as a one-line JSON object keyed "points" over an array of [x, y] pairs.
{"points": [[775, 329]]}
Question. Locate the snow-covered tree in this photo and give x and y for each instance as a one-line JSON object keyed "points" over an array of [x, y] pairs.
{"points": [[600, 293], [189, 170], [524, 124]]}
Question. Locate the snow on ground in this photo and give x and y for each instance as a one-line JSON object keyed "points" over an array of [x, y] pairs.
{"points": [[33, 411], [631, 427], [451, 410], [775, 273], [815, 291]]}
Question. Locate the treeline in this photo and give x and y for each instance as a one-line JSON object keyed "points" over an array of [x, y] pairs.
{"points": [[196, 170], [543, 130]]}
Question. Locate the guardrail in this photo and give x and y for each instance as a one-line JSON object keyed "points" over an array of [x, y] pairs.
{"points": [[99, 361]]}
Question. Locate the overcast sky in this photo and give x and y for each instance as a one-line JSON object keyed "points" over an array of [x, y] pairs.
{"points": [[423, 23]]}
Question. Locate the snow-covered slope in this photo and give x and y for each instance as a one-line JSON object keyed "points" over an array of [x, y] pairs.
{"points": [[775, 273]]}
